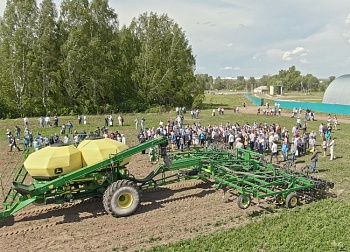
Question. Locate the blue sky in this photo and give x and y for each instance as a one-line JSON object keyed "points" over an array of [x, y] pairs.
{"points": [[249, 38]]}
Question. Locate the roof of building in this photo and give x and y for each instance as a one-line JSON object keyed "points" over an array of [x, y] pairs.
{"points": [[338, 92]]}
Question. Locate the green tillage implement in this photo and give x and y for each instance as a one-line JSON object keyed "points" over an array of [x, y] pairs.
{"points": [[246, 172]]}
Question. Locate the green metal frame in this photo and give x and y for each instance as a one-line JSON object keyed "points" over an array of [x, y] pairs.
{"points": [[245, 171]]}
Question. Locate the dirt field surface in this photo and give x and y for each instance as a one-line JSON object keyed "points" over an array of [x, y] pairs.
{"points": [[167, 214]]}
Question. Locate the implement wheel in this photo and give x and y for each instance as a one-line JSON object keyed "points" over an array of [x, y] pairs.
{"points": [[279, 199], [39, 202], [121, 198], [244, 201], [292, 200]]}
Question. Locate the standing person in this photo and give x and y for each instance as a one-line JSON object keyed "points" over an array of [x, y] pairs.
{"points": [[182, 143], [331, 148], [70, 127], [110, 120], [136, 121], [41, 122], [120, 120], [84, 119], [335, 122], [231, 140], [79, 119], [47, 121], [143, 124], [142, 139], [299, 143], [55, 121], [293, 151], [314, 159], [26, 122], [106, 121], [13, 143], [285, 151], [202, 139], [274, 151], [123, 139], [26, 141], [63, 129], [18, 132], [66, 140], [324, 146]]}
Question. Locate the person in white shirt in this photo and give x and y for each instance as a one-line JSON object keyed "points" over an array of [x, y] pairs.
{"points": [[274, 152], [239, 143], [231, 140], [331, 148]]}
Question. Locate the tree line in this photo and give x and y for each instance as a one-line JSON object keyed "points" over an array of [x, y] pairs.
{"points": [[291, 79], [78, 60]]}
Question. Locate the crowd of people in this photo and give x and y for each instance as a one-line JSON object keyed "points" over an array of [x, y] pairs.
{"points": [[255, 136], [66, 134], [273, 139]]}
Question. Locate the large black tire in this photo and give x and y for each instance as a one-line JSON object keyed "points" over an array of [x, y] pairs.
{"points": [[244, 201], [292, 200], [122, 198]]}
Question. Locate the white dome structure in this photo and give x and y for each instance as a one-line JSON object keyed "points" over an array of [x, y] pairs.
{"points": [[338, 92]]}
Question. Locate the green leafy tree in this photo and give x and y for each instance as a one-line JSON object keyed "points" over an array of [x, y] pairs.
{"points": [[89, 53], [163, 72], [18, 39], [47, 94], [251, 84], [205, 81]]}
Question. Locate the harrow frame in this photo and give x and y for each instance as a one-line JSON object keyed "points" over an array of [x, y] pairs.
{"points": [[245, 172]]}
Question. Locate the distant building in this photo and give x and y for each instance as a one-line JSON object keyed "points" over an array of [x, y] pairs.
{"points": [[261, 90], [338, 92]]}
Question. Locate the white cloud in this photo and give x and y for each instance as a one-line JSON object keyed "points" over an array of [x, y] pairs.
{"points": [[304, 61], [298, 52], [274, 53], [347, 21], [262, 38], [231, 68], [346, 33]]}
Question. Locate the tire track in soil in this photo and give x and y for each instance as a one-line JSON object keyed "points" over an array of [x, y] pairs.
{"points": [[30, 220]]}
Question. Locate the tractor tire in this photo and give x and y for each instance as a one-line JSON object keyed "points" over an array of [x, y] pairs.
{"points": [[106, 199], [244, 201], [122, 198], [292, 200]]}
